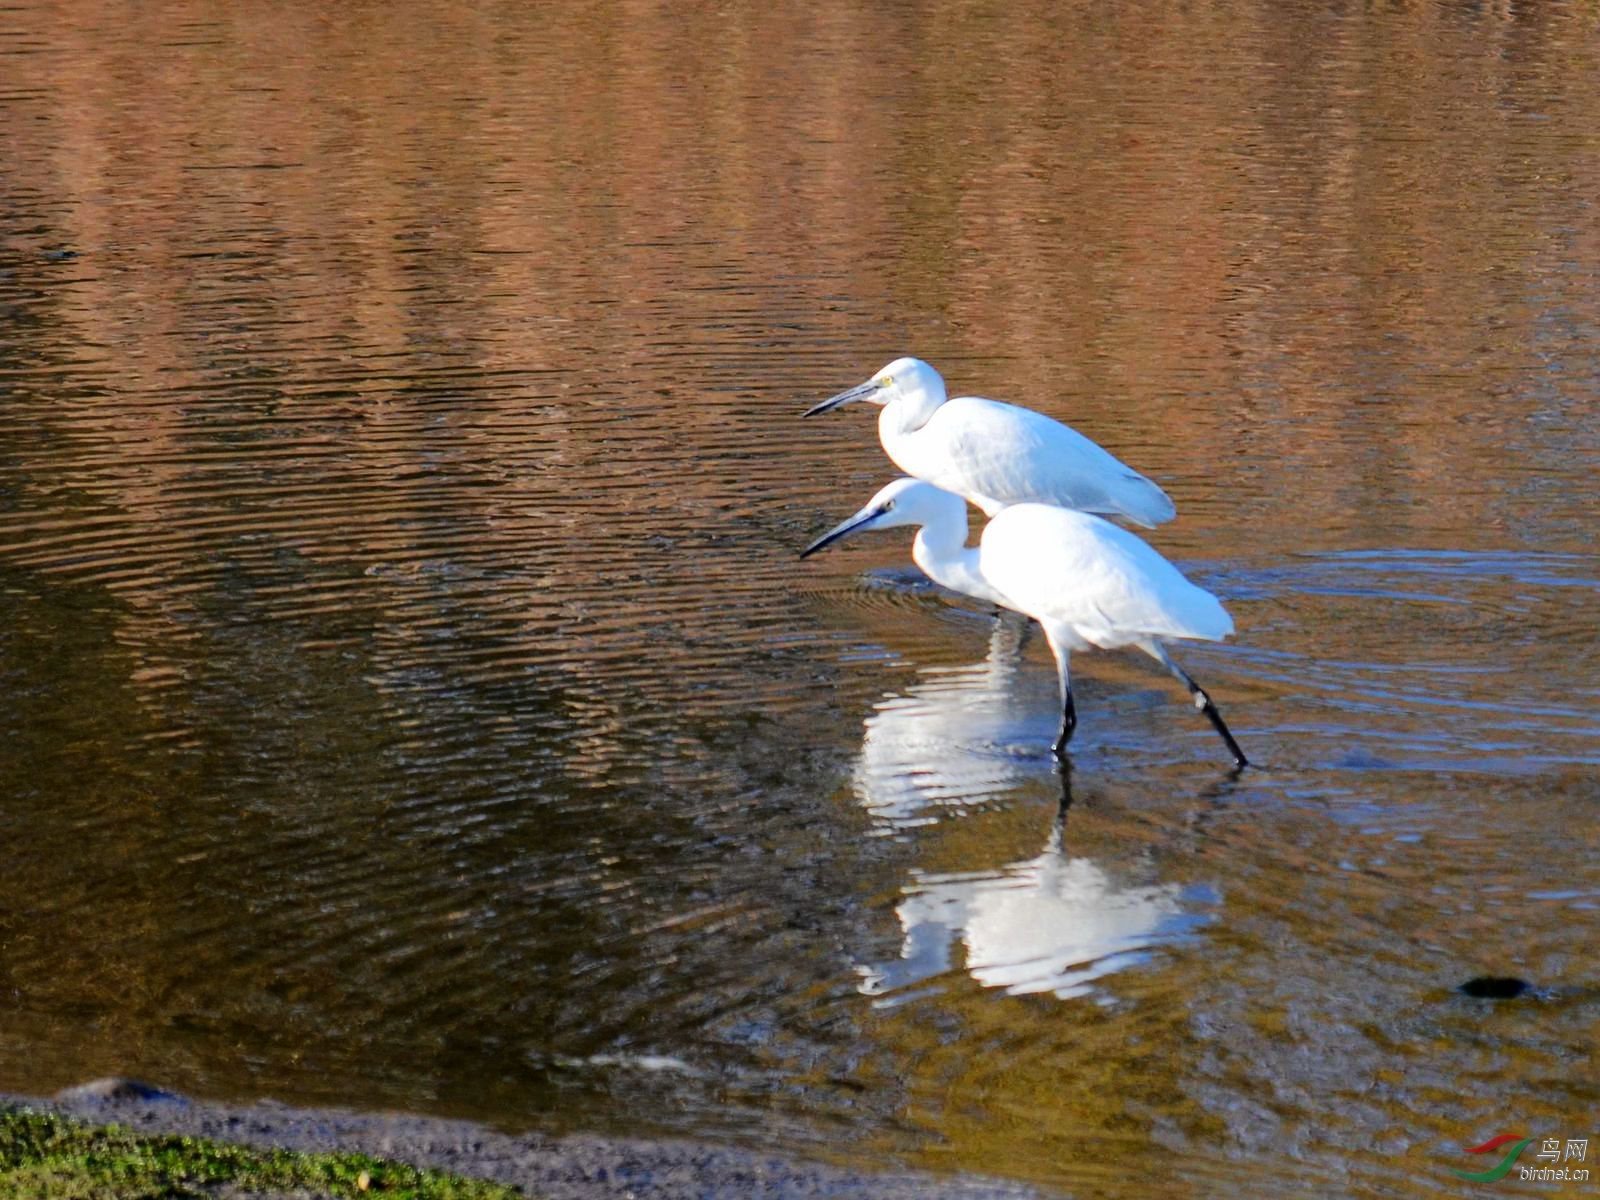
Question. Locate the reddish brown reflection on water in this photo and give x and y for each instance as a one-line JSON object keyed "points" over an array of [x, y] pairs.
{"points": [[415, 700]]}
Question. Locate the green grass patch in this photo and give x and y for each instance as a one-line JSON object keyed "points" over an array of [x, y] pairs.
{"points": [[47, 1157]]}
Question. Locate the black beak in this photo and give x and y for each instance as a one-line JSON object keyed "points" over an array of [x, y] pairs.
{"points": [[860, 392], [844, 529]]}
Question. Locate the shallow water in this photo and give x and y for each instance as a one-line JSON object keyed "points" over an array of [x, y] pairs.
{"points": [[414, 699]]}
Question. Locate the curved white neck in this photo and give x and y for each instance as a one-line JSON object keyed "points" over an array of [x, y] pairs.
{"points": [[906, 413], [942, 553]]}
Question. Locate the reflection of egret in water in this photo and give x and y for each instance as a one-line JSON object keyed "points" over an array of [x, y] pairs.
{"points": [[959, 736], [1048, 924]]}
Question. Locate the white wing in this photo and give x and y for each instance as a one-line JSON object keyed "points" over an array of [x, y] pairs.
{"points": [[997, 454], [1111, 587]]}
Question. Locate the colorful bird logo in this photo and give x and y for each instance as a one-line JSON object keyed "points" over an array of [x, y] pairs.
{"points": [[1498, 1171]]}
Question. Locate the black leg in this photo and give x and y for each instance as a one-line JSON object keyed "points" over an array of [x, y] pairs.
{"points": [[1201, 701], [1204, 704], [1061, 649], [1007, 639], [1058, 827], [1022, 638], [1069, 722]]}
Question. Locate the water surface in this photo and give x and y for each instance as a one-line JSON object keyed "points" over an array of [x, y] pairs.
{"points": [[414, 699]]}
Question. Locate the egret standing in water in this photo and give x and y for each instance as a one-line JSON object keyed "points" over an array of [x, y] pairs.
{"points": [[1086, 581], [997, 454]]}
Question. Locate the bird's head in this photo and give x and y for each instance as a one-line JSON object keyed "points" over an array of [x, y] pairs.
{"points": [[903, 502], [904, 378]]}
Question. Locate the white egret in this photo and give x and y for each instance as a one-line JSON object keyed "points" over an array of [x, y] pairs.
{"points": [[996, 454], [1086, 581]]}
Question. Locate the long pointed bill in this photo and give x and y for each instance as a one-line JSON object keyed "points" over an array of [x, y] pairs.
{"points": [[843, 529], [860, 392]]}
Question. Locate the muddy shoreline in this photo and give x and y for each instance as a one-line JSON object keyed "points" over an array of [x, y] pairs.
{"points": [[566, 1168]]}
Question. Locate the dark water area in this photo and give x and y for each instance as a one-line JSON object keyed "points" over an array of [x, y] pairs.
{"points": [[413, 699]]}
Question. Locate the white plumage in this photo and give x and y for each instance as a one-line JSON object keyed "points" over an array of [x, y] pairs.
{"points": [[996, 454], [1095, 584], [1087, 582]]}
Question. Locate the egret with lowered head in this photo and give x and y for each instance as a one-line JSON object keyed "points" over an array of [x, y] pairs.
{"points": [[1086, 581], [996, 454]]}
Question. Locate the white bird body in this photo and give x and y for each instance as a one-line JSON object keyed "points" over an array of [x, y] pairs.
{"points": [[996, 454], [1094, 583], [1087, 582]]}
